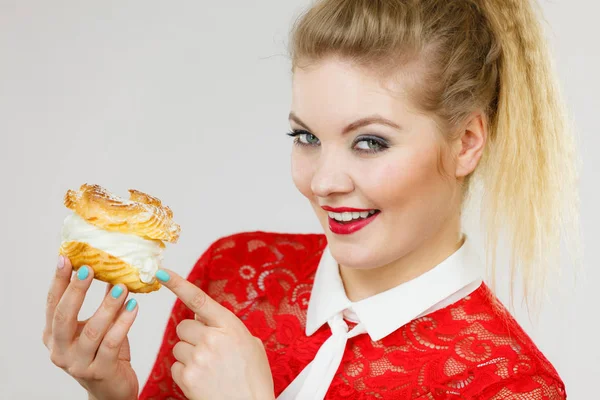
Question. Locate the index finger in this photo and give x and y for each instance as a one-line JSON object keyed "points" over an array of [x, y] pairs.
{"points": [[62, 277], [208, 310]]}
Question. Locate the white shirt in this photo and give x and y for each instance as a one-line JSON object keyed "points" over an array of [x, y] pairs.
{"points": [[378, 315]]}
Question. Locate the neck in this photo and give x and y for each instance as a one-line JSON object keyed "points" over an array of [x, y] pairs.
{"points": [[362, 283]]}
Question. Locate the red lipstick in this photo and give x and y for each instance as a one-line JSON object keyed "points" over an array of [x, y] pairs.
{"points": [[346, 228], [344, 209]]}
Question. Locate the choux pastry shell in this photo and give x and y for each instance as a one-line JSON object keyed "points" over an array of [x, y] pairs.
{"points": [[121, 240]]}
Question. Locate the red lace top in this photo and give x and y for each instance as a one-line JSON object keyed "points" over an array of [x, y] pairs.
{"points": [[472, 349]]}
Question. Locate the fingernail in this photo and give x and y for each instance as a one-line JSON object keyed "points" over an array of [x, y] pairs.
{"points": [[83, 273], [130, 306], [162, 276], [116, 292], [61, 262]]}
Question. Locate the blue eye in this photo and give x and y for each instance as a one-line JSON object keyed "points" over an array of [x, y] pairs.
{"points": [[303, 138], [374, 144]]}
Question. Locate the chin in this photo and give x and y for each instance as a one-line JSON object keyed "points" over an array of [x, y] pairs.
{"points": [[355, 255]]}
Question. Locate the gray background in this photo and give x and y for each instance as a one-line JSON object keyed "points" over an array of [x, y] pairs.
{"points": [[188, 101]]}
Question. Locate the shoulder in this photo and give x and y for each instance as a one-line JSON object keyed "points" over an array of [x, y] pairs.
{"points": [[508, 363], [243, 266], [262, 238], [264, 247]]}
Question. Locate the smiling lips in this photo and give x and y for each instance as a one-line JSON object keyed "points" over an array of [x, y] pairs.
{"points": [[346, 220]]}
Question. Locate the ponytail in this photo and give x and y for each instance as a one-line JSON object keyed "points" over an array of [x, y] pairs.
{"points": [[529, 170]]}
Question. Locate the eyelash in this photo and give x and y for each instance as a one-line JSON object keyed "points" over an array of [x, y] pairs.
{"points": [[380, 142]]}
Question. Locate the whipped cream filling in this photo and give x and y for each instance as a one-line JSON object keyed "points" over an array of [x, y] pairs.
{"points": [[143, 254]]}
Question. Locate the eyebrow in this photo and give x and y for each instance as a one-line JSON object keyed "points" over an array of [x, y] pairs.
{"points": [[373, 119]]}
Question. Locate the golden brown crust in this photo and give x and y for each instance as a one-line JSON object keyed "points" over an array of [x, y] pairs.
{"points": [[141, 215], [106, 267]]}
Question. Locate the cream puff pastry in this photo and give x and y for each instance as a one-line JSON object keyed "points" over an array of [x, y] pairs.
{"points": [[122, 240]]}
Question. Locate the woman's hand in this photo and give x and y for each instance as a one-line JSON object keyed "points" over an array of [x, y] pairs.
{"points": [[217, 357], [94, 352]]}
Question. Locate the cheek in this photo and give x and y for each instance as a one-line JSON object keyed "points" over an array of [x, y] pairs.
{"points": [[405, 180], [302, 173]]}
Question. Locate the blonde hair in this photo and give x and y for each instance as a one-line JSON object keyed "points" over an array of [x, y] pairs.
{"points": [[487, 55]]}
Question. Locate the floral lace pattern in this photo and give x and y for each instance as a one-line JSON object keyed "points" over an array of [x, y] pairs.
{"points": [[472, 349]]}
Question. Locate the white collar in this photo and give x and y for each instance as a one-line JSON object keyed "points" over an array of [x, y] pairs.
{"points": [[387, 311]]}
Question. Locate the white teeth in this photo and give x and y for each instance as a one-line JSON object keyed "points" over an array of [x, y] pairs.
{"points": [[349, 216]]}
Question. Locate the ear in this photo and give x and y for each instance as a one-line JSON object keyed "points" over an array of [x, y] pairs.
{"points": [[470, 144]]}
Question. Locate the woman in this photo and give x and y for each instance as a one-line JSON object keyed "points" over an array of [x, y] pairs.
{"points": [[399, 107]]}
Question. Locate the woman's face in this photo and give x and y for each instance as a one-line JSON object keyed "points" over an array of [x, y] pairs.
{"points": [[366, 147]]}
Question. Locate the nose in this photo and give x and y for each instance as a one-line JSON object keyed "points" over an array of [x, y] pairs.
{"points": [[331, 177]]}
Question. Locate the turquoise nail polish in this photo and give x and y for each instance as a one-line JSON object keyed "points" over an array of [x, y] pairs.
{"points": [[83, 273], [116, 292], [162, 276], [131, 305]]}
